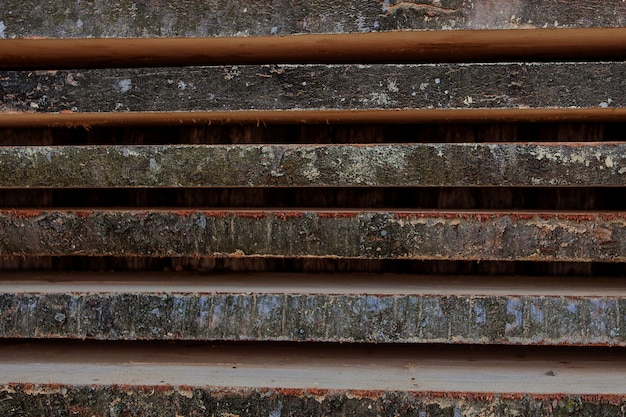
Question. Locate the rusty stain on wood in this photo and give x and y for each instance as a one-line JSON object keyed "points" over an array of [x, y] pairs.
{"points": [[343, 234], [567, 164]]}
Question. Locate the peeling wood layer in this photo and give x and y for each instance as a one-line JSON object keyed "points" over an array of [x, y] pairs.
{"points": [[427, 318], [314, 165], [160, 18], [318, 87], [349, 234]]}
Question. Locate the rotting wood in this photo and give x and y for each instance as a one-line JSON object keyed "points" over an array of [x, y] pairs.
{"points": [[300, 307], [342, 234], [408, 165], [591, 85], [391, 47], [161, 18]]}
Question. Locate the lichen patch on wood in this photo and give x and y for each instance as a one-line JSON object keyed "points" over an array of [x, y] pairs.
{"points": [[410, 165]]}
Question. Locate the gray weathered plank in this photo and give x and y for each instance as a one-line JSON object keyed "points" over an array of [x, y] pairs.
{"points": [[317, 87], [162, 18], [348, 234], [318, 317], [314, 165]]}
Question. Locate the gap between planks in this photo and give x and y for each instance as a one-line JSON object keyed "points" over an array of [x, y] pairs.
{"points": [[305, 283], [90, 120]]}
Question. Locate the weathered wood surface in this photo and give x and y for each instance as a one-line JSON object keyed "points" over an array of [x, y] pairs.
{"points": [[162, 18], [348, 234], [315, 165], [591, 85], [319, 314], [26, 399]]}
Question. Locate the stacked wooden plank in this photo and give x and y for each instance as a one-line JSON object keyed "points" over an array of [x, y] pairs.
{"points": [[357, 208]]}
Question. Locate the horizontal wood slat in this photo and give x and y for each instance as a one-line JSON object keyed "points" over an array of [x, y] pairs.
{"points": [[319, 380], [591, 85], [567, 164], [321, 308], [256, 118], [125, 19], [338, 234], [361, 48], [269, 344]]}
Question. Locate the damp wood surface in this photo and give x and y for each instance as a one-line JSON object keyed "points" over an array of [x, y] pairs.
{"points": [[531, 86], [450, 165], [315, 308], [435, 235], [161, 18]]}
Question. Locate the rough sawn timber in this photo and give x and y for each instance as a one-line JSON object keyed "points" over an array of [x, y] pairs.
{"points": [[362, 308], [582, 85], [162, 18], [337, 234], [566, 164]]}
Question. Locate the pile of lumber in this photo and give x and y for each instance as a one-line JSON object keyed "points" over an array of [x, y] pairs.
{"points": [[277, 208]]}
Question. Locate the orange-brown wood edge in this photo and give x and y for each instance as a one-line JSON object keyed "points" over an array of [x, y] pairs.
{"points": [[389, 47]]}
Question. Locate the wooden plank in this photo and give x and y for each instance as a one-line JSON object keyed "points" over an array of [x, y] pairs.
{"points": [[314, 165], [390, 47], [256, 118], [315, 308], [162, 18], [317, 87], [101, 379], [341, 234]]}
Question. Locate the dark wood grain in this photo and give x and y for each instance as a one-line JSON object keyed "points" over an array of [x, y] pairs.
{"points": [[318, 87]]}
